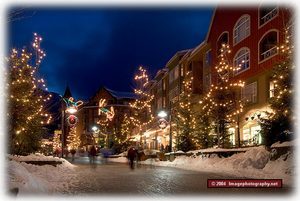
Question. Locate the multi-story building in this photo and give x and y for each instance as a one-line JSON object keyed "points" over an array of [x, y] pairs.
{"points": [[253, 35], [90, 117]]}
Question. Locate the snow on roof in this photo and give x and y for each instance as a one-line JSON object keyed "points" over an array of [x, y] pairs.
{"points": [[284, 144], [120, 95]]}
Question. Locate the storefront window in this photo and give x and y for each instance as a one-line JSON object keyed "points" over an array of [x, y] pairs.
{"points": [[232, 135]]}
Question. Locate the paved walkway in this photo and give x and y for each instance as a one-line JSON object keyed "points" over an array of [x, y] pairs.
{"points": [[117, 179]]}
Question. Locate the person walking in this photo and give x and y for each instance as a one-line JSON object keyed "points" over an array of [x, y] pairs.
{"points": [[93, 153], [131, 155]]}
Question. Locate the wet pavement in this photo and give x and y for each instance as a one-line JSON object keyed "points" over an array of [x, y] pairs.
{"points": [[104, 178]]}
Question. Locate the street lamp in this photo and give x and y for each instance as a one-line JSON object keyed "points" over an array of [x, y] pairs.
{"points": [[162, 124], [95, 130], [162, 114], [71, 108]]}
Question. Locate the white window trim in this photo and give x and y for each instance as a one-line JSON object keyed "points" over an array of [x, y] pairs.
{"points": [[239, 72], [259, 26], [258, 52], [234, 27], [271, 89], [219, 39]]}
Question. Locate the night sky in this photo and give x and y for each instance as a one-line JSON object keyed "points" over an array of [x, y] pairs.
{"points": [[88, 48]]}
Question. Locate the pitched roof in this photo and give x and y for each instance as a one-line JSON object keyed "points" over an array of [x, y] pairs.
{"points": [[119, 95]]}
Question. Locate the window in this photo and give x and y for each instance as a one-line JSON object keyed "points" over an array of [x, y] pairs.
{"points": [[267, 14], [173, 75], [251, 135], [246, 136], [159, 85], [271, 89], [164, 102], [249, 93], [190, 67], [173, 94], [268, 45], [223, 39], [207, 59], [181, 71], [242, 60], [255, 135], [164, 84], [159, 103], [241, 29], [232, 135]]}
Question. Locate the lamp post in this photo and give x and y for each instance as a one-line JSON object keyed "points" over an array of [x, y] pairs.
{"points": [[70, 110], [162, 114], [95, 130]]}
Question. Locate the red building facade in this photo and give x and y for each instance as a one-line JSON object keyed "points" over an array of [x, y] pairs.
{"points": [[253, 35]]}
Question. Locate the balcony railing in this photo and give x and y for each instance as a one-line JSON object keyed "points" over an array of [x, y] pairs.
{"points": [[269, 53], [268, 16]]}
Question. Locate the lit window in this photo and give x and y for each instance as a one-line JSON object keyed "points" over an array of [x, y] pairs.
{"points": [[249, 93], [232, 135], [181, 71], [271, 89], [242, 60], [246, 136], [255, 135], [241, 29]]}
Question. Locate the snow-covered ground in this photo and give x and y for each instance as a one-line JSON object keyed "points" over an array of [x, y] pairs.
{"points": [[48, 179], [37, 179], [254, 163]]}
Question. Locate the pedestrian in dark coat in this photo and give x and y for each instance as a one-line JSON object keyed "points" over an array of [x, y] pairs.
{"points": [[93, 153], [131, 154]]}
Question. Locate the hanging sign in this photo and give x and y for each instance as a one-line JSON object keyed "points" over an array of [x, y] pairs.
{"points": [[162, 123]]}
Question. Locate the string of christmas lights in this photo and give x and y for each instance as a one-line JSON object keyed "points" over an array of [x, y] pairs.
{"points": [[221, 101], [142, 115]]}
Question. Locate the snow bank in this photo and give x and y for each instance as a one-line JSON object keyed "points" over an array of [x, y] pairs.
{"points": [[46, 179], [254, 163], [21, 178], [256, 157], [284, 144]]}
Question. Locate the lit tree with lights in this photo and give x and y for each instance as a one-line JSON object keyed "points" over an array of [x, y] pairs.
{"points": [[73, 140], [122, 141], [56, 141], [126, 129], [185, 118], [221, 105], [277, 125], [26, 111], [141, 107]]}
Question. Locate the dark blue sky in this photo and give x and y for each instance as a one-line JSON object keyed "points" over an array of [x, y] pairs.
{"points": [[88, 48]]}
